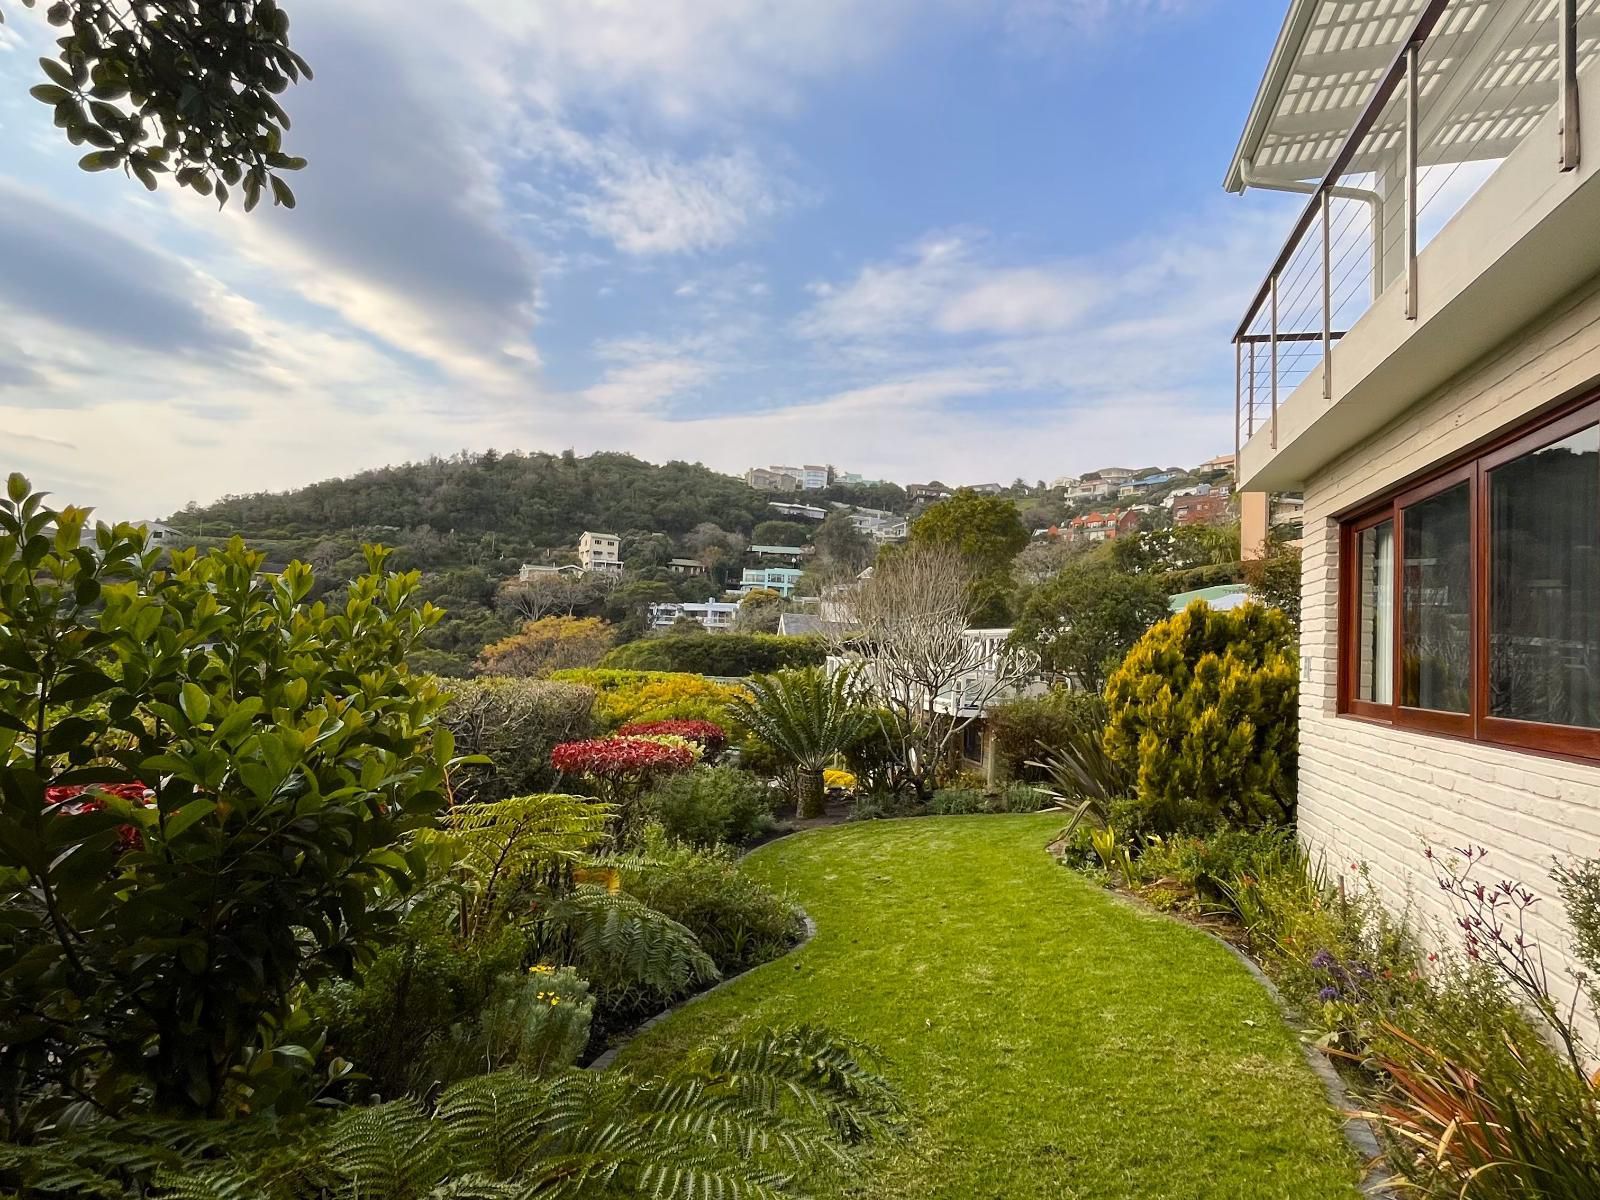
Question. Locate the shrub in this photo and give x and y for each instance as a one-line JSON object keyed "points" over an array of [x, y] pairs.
{"points": [[620, 768], [515, 723], [810, 717], [711, 805], [708, 735], [1204, 710], [1024, 727], [1020, 798], [288, 755], [728, 655], [836, 780], [738, 921], [546, 645], [629, 696], [956, 801]]}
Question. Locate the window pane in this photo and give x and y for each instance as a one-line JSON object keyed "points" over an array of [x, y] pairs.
{"points": [[1436, 603], [1544, 598], [1375, 621]]}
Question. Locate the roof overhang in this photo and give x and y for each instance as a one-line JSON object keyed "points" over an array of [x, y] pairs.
{"points": [[1488, 75]]}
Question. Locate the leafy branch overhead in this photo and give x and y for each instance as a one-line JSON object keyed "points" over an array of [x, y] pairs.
{"points": [[185, 88]]}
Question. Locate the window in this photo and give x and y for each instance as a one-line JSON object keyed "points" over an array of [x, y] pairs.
{"points": [[1471, 600]]}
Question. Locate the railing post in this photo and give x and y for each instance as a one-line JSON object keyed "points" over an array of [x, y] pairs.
{"points": [[1327, 297], [1250, 409], [1567, 56], [1238, 396], [1274, 439], [1413, 86]]}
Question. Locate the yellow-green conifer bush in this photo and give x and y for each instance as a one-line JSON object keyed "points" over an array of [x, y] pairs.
{"points": [[1203, 709]]}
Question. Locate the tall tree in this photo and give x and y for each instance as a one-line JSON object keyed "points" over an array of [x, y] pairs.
{"points": [[185, 88], [988, 533], [840, 545], [1082, 622]]}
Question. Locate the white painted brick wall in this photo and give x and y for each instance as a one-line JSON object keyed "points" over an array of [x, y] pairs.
{"points": [[1373, 795]]}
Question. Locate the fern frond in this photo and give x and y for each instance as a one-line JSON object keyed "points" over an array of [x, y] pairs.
{"points": [[388, 1151], [618, 942], [497, 1123]]}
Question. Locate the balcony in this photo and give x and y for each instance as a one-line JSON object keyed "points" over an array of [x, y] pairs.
{"points": [[1441, 147]]}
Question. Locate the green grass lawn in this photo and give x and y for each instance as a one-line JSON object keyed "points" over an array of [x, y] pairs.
{"points": [[1049, 1041]]}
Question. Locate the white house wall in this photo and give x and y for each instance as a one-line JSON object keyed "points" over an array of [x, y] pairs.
{"points": [[1372, 794]]}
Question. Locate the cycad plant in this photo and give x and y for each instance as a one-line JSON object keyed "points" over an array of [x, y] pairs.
{"points": [[809, 716]]}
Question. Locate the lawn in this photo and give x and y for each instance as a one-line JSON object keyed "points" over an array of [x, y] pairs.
{"points": [[1049, 1040]]}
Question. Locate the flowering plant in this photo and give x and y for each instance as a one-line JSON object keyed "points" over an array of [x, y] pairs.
{"points": [[708, 735], [620, 768], [832, 778], [74, 799]]}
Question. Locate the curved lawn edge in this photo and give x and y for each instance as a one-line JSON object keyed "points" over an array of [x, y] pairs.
{"points": [[1357, 1130], [610, 1056], [1049, 1047]]}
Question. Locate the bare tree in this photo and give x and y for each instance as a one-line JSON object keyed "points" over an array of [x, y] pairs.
{"points": [[922, 664], [547, 594]]}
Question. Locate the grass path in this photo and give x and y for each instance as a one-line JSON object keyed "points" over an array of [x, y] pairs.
{"points": [[1049, 1041]]}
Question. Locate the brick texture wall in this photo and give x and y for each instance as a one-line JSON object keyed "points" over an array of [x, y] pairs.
{"points": [[1373, 795]]}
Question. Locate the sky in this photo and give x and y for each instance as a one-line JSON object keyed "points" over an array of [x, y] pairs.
{"points": [[959, 239]]}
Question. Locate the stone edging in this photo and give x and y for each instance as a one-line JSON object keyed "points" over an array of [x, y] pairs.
{"points": [[1357, 1130], [610, 1056]]}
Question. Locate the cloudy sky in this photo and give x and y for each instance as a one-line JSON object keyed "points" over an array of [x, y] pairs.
{"points": [[970, 239]]}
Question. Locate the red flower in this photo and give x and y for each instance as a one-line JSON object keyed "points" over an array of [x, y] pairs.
{"points": [[68, 797], [617, 758], [708, 735]]}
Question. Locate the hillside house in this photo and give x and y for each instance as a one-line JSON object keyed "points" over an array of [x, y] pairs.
{"points": [[600, 552], [1434, 395], [528, 572], [782, 580], [1102, 526], [715, 615], [1201, 509]]}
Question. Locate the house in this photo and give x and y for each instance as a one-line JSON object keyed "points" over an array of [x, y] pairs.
{"points": [[1102, 526], [686, 566], [772, 479], [777, 579], [528, 572], [1221, 597], [927, 492], [1218, 462], [792, 555], [804, 512], [1113, 475], [713, 614], [880, 525], [1091, 488], [855, 479], [600, 552], [984, 489], [1438, 410], [1200, 510], [1063, 482]]}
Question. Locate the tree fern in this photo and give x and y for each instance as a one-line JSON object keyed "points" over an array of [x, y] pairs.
{"points": [[496, 846], [620, 944]]}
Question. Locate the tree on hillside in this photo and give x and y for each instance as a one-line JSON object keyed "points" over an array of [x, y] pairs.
{"points": [[987, 532], [1082, 622], [890, 497], [549, 594], [841, 547], [185, 88], [551, 644], [781, 533], [759, 611]]}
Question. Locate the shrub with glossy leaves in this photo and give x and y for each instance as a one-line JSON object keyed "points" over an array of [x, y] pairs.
{"points": [[711, 805], [281, 753], [1204, 709]]}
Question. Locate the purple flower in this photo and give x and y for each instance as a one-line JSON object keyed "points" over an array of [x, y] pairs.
{"points": [[1322, 960], [1328, 994]]}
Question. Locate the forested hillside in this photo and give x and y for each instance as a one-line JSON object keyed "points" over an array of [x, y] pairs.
{"points": [[543, 500]]}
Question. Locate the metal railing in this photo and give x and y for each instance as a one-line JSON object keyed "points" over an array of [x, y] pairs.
{"points": [[1467, 84]]}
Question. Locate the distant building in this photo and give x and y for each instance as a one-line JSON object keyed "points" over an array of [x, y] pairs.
{"points": [[1116, 475], [600, 552], [1200, 510], [882, 527], [686, 566], [1090, 488], [985, 489], [1062, 482], [1221, 597], [1222, 462], [1103, 526], [771, 479], [793, 555], [161, 534], [713, 614], [806, 512], [782, 580], [927, 491], [855, 480]]}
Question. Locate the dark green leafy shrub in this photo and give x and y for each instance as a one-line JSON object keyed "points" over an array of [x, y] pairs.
{"points": [[155, 936], [727, 655], [739, 921], [514, 723], [1027, 727], [712, 805], [1203, 709]]}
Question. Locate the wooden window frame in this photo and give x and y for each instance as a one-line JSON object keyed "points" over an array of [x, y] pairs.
{"points": [[1472, 469]]}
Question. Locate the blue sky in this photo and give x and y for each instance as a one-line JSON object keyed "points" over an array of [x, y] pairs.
{"points": [[970, 239]]}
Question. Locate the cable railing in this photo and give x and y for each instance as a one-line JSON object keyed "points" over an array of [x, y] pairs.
{"points": [[1468, 83]]}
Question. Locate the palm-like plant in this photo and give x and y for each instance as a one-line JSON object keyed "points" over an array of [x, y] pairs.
{"points": [[809, 716]]}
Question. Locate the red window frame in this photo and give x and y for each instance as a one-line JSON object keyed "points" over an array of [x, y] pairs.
{"points": [[1473, 470]]}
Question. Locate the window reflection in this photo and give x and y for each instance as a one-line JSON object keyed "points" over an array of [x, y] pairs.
{"points": [[1436, 603]]}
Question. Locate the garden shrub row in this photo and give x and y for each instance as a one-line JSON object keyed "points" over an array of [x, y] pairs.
{"points": [[726, 655]]}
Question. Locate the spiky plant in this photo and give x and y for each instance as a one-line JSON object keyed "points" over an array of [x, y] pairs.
{"points": [[810, 716]]}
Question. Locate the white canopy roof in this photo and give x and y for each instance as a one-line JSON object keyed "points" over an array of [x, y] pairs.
{"points": [[1489, 73]]}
